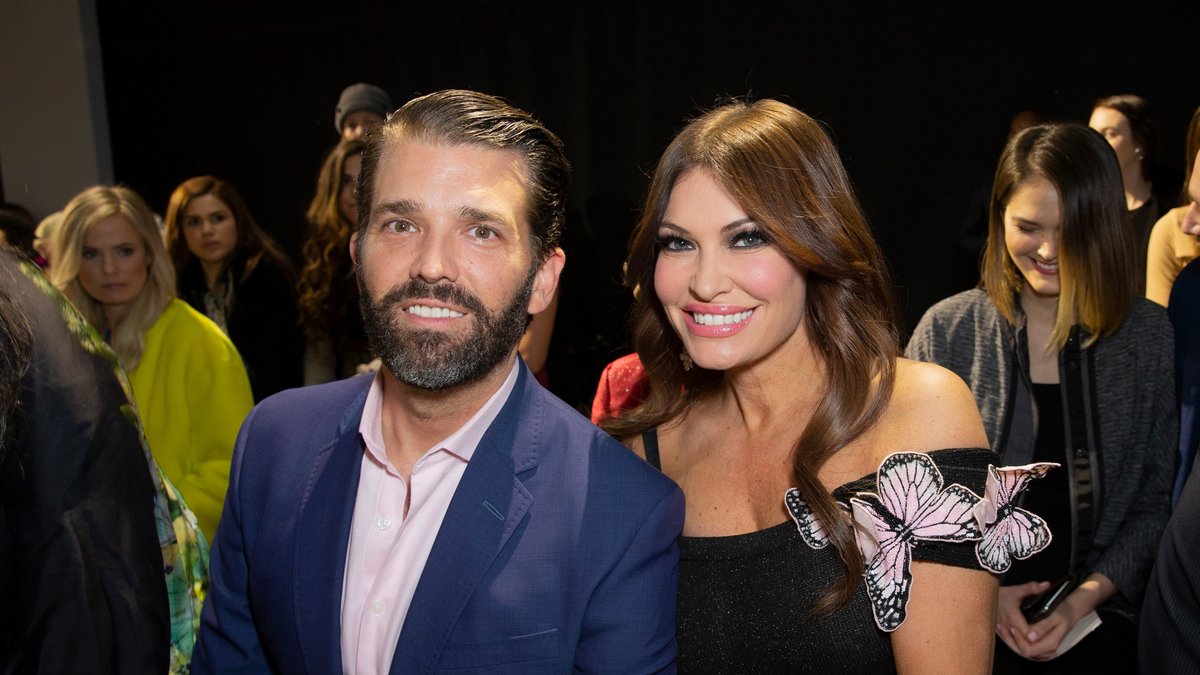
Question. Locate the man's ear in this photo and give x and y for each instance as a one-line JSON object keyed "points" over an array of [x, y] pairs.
{"points": [[545, 281], [354, 248]]}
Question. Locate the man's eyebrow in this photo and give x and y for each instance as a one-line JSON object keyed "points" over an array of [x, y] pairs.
{"points": [[400, 207], [483, 216]]}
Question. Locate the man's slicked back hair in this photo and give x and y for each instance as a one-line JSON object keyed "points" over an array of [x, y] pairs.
{"points": [[459, 116]]}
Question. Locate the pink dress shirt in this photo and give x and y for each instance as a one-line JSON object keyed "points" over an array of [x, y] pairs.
{"points": [[387, 549]]}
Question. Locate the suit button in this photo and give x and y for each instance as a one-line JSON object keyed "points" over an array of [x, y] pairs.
{"points": [[1080, 453], [377, 607]]}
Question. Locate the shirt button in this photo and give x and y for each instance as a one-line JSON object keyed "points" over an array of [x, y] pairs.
{"points": [[377, 607], [384, 523]]}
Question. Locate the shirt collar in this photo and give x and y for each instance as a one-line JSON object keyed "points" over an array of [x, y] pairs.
{"points": [[461, 443]]}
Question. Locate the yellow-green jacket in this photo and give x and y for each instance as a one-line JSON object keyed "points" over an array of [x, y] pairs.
{"points": [[192, 394]]}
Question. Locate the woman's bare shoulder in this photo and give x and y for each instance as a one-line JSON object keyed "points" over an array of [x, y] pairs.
{"points": [[932, 408]]}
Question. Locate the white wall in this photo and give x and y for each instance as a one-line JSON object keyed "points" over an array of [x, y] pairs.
{"points": [[53, 122]]}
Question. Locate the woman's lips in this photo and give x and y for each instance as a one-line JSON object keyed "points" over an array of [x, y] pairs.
{"points": [[1045, 268], [716, 321]]}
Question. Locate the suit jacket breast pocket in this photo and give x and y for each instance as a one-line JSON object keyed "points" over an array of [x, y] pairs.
{"points": [[493, 656]]}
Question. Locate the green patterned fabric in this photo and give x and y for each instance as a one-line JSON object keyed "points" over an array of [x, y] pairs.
{"points": [[184, 547]]}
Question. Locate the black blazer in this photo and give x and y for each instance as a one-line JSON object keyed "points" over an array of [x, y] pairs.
{"points": [[81, 572], [262, 319]]}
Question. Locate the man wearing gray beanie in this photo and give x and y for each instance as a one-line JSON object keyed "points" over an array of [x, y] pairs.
{"points": [[360, 106]]}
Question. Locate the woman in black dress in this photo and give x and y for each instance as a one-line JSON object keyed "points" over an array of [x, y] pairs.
{"points": [[232, 272], [778, 401]]}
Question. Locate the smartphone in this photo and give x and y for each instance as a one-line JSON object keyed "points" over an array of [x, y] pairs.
{"points": [[1037, 607]]}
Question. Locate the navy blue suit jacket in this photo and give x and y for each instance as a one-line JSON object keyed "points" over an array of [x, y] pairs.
{"points": [[557, 553]]}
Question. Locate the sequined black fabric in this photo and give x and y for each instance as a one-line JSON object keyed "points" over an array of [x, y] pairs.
{"points": [[744, 599]]}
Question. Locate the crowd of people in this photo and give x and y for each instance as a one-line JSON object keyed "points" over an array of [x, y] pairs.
{"points": [[793, 486]]}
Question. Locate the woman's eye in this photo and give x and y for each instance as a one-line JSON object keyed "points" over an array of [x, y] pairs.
{"points": [[88, 254], [125, 251], [672, 243], [191, 221], [749, 239]]}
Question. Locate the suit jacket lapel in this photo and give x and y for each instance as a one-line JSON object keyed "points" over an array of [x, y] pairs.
{"points": [[486, 508], [322, 537]]}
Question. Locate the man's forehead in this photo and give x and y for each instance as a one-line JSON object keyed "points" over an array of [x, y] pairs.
{"points": [[395, 149], [480, 171]]}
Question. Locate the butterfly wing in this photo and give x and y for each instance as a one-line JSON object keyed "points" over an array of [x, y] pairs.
{"points": [[910, 488], [906, 482], [887, 574], [1011, 480], [806, 521]]}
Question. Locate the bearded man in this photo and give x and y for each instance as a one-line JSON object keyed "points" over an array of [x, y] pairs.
{"points": [[446, 513]]}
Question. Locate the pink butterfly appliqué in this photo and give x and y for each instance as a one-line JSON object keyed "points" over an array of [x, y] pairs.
{"points": [[1009, 531], [911, 506]]}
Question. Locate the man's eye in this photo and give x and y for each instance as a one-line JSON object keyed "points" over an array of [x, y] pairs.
{"points": [[398, 226], [482, 232]]}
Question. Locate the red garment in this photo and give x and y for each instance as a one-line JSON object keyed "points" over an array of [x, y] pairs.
{"points": [[623, 385]]}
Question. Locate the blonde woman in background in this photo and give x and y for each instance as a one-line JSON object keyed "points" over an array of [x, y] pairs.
{"points": [[190, 386]]}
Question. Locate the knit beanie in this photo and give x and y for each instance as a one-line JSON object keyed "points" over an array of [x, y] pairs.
{"points": [[361, 96]]}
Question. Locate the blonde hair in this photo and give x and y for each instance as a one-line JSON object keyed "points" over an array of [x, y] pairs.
{"points": [[128, 337], [45, 237]]}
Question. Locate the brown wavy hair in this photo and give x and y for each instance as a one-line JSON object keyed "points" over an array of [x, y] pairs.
{"points": [[1097, 264], [327, 265], [252, 243], [783, 170]]}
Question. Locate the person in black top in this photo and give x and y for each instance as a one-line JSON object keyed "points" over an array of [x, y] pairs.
{"points": [[778, 401], [1130, 126], [232, 272], [81, 568]]}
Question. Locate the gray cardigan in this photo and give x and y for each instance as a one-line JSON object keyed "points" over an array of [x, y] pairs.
{"points": [[1131, 389]]}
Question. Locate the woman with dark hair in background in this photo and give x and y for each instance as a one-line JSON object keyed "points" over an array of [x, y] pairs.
{"points": [[778, 401], [1174, 243], [191, 389], [1130, 126], [234, 273], [329, 312], [1068, 365]]}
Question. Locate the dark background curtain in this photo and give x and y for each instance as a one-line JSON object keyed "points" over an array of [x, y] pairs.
{"points": [[917, 97]]}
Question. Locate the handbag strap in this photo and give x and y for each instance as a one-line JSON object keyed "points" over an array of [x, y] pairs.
{"points": [[1080, 450]]}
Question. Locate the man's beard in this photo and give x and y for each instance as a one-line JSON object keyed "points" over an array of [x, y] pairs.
{"points": [[434, 360]]}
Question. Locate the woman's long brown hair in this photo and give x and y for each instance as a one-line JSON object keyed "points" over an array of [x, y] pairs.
{"points": [[782, 169], [327, 266]]}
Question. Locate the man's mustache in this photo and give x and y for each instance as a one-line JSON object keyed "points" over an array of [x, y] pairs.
{"points": [[417, 289]]}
